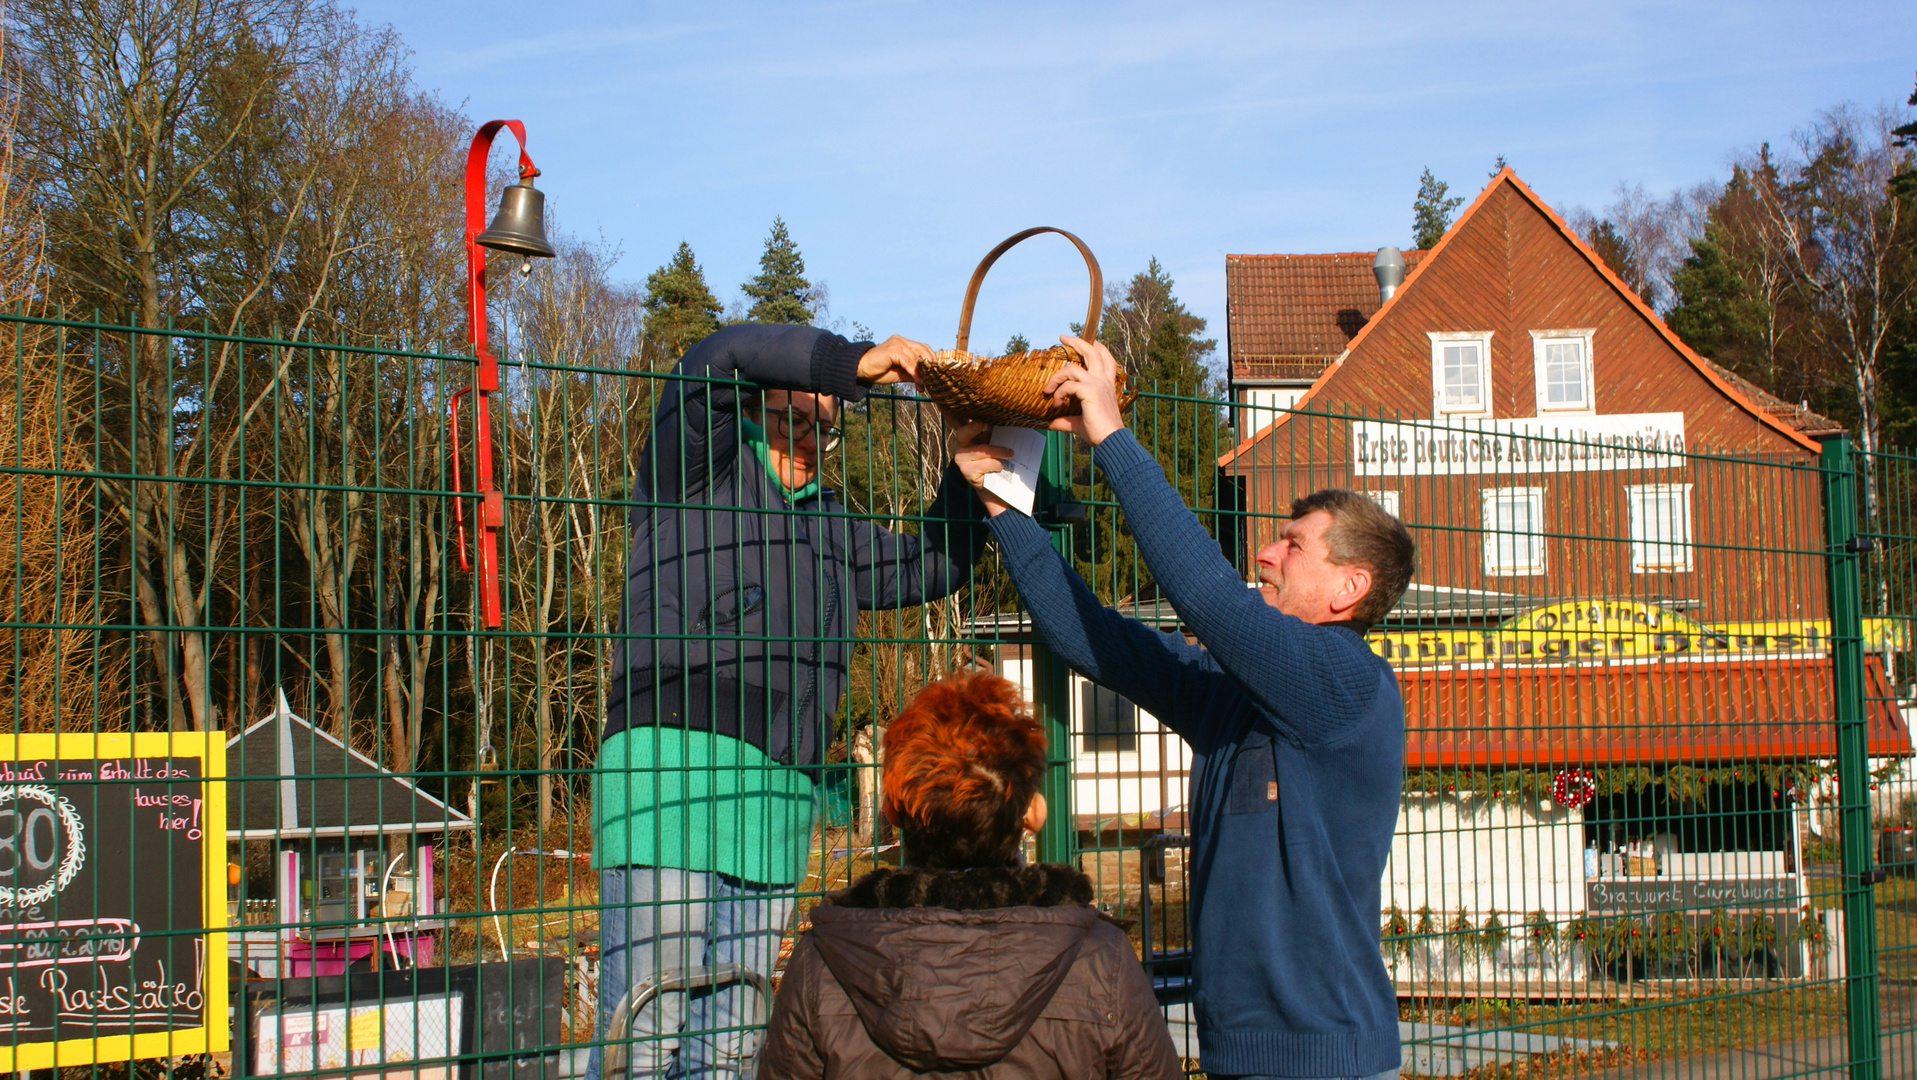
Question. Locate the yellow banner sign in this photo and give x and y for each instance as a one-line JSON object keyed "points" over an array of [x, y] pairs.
{"points": [[1596, 630]]}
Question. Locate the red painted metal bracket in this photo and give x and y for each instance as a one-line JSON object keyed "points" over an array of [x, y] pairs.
{"points": [[492, 512]]}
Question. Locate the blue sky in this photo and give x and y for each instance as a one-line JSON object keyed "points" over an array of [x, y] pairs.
{"points": [[900, 141]]}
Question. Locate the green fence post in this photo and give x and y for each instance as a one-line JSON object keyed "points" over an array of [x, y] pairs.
{"points": [[1051, 679], [1853, 769]]}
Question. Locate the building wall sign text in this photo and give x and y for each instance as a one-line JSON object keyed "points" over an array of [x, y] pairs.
{"points": [[1518, 445]]}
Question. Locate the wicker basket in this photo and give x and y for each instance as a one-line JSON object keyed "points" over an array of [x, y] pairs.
{"points": [[1007, 390], [1010, 390]]}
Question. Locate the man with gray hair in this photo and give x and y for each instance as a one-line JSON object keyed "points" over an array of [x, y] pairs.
{"points": [[1297, 737]]}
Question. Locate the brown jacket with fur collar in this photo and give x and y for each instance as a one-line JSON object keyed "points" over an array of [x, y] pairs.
{"points": [[975, 973]]}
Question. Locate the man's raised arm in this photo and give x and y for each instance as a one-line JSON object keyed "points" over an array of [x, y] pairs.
{"points": [[694, 430], [1155, 671], [1317, 682]]}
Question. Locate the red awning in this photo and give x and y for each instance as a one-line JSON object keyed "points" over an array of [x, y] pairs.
{"points": [[1562, 714]]}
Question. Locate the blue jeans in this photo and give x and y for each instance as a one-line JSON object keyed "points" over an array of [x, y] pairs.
{"points": [[655, 918]]}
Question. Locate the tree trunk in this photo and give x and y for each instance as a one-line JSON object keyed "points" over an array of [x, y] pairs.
{"points": [[401, 750], [867, 811], [153, 612], [188, 606]]}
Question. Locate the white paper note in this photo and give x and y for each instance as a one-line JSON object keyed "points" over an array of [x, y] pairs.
{"points": [[1017, 484]]}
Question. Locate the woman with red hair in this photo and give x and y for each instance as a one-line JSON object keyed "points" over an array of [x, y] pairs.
{"points": [[965, 960]]}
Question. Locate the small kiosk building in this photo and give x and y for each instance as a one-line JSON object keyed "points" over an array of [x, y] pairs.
{"points": [[351, 875]]}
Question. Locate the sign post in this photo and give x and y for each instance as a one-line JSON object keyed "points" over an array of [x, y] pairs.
{"points": [[1051, 678], [112, 897], [1841, 548]]}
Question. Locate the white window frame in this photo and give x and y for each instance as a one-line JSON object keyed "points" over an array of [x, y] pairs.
{"points": [[1480, 338], [1389, 499], [1540, 339], [1657, 553], [1528, 547]]}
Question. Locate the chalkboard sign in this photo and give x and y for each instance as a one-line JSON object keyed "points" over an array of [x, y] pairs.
{"points": [[112, 880], [1692, 894]]}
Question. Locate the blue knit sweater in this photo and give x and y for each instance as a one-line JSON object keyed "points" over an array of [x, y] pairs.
{"points": [[1297, 738]]}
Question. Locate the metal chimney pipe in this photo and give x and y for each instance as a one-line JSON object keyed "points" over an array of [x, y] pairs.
{"points": [[1388, 268]]}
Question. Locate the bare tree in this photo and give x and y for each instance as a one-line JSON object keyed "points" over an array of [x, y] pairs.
{"points": [[62, 677], [1847, 245], [1651, 234], [570, 323], [108, 94], [210, 158]]}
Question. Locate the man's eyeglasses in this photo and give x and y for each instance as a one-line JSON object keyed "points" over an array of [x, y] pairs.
{"points": [[797, 426]]}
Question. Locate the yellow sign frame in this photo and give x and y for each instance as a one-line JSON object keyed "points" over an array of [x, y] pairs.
{"points": [[214, 1035]]}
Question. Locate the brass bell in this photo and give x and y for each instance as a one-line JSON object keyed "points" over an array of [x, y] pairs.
{"points": [[520, 225]]}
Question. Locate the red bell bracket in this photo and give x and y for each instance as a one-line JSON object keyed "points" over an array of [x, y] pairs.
{"points": [[491, 514], [518, 229]]}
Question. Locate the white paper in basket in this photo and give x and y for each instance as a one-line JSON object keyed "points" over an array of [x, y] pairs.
{"points": [[1017, 484]]}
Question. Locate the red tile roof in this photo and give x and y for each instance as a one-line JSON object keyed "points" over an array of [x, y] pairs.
{"points": [[1581, 714], [1287, 316], [1797, 416]]}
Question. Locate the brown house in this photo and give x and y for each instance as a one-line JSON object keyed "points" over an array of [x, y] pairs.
{"points": [[1541, 428], [1620, 560]]}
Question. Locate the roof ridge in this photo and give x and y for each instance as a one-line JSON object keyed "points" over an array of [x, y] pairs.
{"points": [[1406, 252]]}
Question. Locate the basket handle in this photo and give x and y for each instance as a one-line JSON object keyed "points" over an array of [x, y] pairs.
{"points": [[978, 278]]}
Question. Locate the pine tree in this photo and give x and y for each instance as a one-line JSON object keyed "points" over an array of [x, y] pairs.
{"points": [[680, 308], [1017, 344], [1716, 312], [1617, 253], [1156, 340], [1155, 337], [780, 291], [1904, 183], [1431, 211], [1498, 166]]}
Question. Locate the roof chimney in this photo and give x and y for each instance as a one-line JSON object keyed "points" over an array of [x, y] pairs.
{"points": [[1388, 268]]}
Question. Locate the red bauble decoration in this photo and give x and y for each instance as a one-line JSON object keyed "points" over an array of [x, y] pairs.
{"points": [[1573, 788]]}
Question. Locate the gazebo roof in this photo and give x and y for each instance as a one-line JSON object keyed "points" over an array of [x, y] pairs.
{"points": [[330, 790]]}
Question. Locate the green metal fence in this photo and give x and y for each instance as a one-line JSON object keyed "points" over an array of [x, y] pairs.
{"points": [[1657, 814]]}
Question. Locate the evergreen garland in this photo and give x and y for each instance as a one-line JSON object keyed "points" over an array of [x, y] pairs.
{"points": [[1786, 781]]}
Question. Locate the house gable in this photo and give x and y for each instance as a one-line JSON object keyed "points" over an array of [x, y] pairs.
{"points": [[1511, 266]]}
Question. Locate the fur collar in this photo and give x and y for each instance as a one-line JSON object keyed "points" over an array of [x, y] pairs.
{"points": [[1044, 885]]}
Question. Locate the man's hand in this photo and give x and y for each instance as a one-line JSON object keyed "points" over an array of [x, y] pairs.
{"points": [[977, 459], [895, 359], [1095, 385]]}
